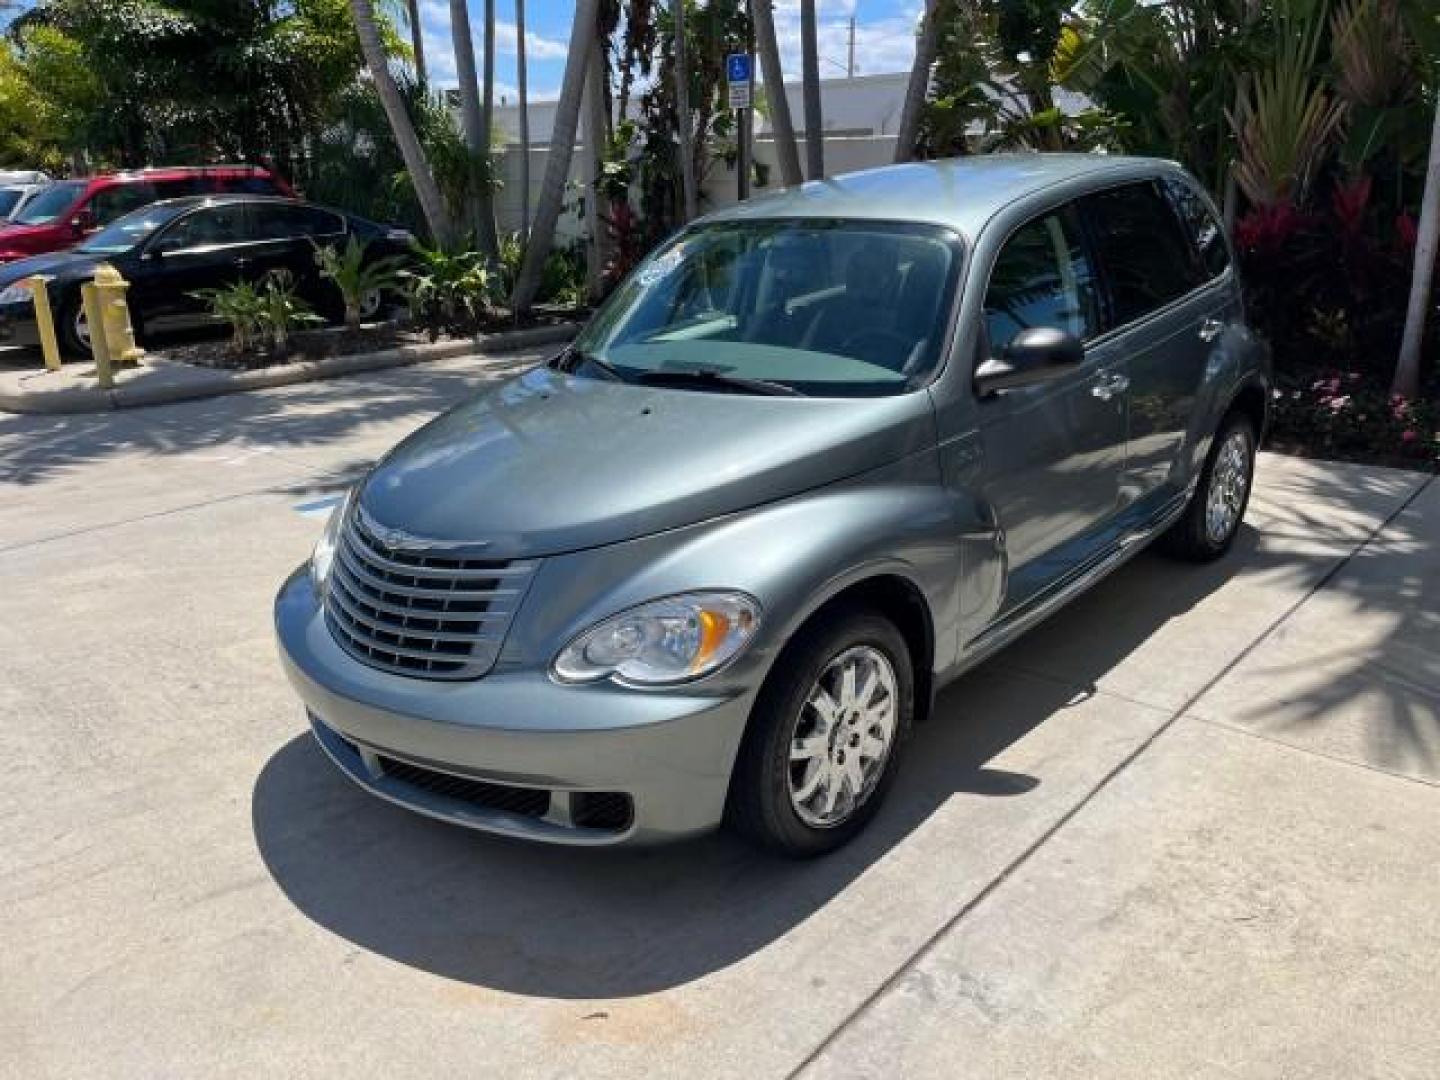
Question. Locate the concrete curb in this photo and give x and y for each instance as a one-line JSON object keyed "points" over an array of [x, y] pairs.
{"points": [[210, 382]]}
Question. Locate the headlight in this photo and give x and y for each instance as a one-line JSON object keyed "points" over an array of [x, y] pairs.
{"points": [[673, 640], [323, 557], [15, 294]]}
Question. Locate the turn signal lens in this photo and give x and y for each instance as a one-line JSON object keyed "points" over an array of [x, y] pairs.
{"points": [[673, 640]]}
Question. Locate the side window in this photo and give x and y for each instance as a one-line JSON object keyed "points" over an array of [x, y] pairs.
{"points": [[1205, 232], [109, 203], [1144, 256], [211, 227], [1042, 277], [281, 221]]}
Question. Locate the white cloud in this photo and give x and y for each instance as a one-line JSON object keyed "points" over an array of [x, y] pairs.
{"points": [[881, 45]]}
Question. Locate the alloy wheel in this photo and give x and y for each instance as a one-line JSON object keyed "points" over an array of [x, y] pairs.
{"points": [[843, 737], [1229, 484]]}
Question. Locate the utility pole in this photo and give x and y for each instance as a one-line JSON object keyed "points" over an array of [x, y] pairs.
{"points": [[850, 63]]}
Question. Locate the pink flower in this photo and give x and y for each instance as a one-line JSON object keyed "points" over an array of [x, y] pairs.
{"points": [[1338, 403], [1409, 435]]}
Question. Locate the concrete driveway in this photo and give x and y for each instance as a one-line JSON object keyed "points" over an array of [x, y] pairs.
{"points": [[1190, 827]]}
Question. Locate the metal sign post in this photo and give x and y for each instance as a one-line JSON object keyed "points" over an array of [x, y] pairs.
{"points": [[739, 72]]}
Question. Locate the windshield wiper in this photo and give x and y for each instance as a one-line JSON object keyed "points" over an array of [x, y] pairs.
{"points": [[705, 378], [572, 359]]}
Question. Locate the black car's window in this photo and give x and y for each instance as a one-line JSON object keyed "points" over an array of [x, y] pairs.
{"points": [[134, 228], [1042, 277], [1143, 255], [281, 221], [211, 226], [1206, 236], [116, 201], [50, 203], [838, 308]]}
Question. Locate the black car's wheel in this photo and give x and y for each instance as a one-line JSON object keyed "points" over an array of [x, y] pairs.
{"points": [[824, 737], [72, 329], [1208, 527]]}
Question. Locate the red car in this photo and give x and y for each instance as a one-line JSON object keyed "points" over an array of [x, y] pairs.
{"points": [[67, 211]]}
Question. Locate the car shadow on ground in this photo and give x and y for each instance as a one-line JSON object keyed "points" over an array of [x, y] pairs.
{"points": [[563, 923]]}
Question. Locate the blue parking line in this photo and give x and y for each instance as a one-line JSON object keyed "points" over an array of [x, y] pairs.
{"points": [[318, 508]]}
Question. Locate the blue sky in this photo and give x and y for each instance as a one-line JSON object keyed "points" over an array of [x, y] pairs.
{"points": [[884, 39]]}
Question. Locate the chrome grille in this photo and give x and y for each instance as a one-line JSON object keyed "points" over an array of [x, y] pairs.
{"points": [[432, 611]]}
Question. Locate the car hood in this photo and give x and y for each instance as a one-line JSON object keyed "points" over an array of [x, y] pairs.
{"points": [[548, 463], [63, 265]]}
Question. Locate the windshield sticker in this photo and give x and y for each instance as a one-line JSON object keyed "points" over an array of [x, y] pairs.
{"points": [[660, 268]]}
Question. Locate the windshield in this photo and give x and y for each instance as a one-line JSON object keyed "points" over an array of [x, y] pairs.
{"points": [[8, 198], [136, 227], [825, 308], [51, 203]]}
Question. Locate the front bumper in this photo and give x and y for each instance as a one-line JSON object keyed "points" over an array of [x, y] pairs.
{"points": [[572, 756]]}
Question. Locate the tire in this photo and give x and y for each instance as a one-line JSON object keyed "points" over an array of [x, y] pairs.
{"points": [[1199, 535], [67, 315], [768, 804]]}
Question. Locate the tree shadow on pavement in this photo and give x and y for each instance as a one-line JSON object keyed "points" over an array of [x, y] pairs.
{"points": [[36, 448]]}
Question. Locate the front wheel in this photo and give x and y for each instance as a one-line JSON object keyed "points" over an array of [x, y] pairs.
{"points": [[1208, 527], [824, 737], [72, 328]]}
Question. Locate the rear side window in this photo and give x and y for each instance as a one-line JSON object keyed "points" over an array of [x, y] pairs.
{"points": [[1205, 232], [1042, 277], [1144, 256], [283, 222], [115, 201]]}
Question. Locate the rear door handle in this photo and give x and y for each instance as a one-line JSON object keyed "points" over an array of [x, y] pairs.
{"points": [[1210, 329]]}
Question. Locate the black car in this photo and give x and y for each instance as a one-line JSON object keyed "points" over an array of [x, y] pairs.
{"points": [[169, 250]]}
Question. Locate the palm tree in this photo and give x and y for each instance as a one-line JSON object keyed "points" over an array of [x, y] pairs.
{"points": [[597, 134], [557, 162], [524, 119], [1427, 239], [489, 242], [472, 119], [781, 126], [682, 114], [401, 127], [926, 44], [417, 40], [810, 79]]}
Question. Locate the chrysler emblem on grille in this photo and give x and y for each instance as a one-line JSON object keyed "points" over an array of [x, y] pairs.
{"points": [[399, 538]]}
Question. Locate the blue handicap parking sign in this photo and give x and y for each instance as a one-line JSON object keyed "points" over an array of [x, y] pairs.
{"points": [[737, 67]]}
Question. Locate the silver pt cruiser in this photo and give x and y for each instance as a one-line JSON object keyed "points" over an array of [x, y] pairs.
{"points": [[819, 454]]}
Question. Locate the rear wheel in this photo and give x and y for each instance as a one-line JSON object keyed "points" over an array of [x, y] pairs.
{"points": [[824, 737], [1208, 527]]}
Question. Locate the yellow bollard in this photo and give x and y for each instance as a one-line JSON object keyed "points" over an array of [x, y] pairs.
{"points": [[44, 319], [99, 348], [115, 312]]}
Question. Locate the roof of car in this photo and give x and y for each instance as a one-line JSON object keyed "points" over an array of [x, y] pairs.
{"points": [[221, 198], [962, 193]]}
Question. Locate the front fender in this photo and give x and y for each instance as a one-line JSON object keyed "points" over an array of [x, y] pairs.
{"points": [[792, 556]]}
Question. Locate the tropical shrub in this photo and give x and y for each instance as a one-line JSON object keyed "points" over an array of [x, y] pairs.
{"points": [[240, 305], [355, 276], [451, 292], [282, 309]]}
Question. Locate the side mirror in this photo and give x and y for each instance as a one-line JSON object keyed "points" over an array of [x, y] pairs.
{"points": [[1034, 356]]}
